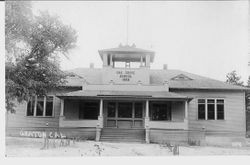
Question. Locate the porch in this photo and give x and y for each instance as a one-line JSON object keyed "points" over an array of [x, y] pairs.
{"points": [[124, 110], [124, 113]]}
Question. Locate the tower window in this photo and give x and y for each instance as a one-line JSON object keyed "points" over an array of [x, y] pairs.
{"points": [[127, 65]]}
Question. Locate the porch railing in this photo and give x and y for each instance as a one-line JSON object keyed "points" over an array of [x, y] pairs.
{"points": [[77, 123], [168, 124]]}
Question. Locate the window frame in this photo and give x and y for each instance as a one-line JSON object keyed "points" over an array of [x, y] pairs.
{"points": [[168, 111], [83, 109], [44, 107], [205, 111], [215, 109]]}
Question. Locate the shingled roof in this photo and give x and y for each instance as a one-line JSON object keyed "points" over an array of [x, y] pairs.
{"points": [[127, 49], [157, 77], [134, 94]]}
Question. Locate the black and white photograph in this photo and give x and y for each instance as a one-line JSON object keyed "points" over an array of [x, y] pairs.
{"points": [[125, 78]]}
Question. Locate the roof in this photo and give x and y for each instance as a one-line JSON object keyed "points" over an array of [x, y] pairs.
{"points": [[126, 52], [127, 49], [157, 77], [133, 94]]}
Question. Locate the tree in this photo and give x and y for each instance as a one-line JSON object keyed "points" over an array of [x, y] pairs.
{"points": [[248, 81], [33, 44], [233, 78]]}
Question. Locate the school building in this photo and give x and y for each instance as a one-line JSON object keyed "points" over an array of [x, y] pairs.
{"points": [[127, 101]]}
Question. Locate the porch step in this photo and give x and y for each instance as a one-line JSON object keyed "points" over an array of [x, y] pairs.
{"points": [[123, 135]]}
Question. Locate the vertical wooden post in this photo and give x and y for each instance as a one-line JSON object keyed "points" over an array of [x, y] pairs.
{"points": [[35, 106], [215, 109], [100, 121], [141, 61], [101, 108], [147, 109], [44, 106], [111, 60], [147, 122], [186, 109], [186, 115], [62, 108], [147, 60], [100, 117], [205, 109]]}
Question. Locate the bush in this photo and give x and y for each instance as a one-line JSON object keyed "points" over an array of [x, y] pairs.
{"points": [[193, 142]]}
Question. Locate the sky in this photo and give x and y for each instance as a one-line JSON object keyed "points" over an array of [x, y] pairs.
{"points": [[205, 38]]}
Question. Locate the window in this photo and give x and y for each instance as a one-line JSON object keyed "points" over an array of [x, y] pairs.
{"points": [[210, 109], [125, 110], [138, 110], [31, 107], [160, 111], [111, 109], [220, 109], [89, 110], [41, 106], [49, 106], [201, 109], [181, 77]]}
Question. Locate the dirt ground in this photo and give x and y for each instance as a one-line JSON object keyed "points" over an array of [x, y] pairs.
{"points": [[25, 147]]}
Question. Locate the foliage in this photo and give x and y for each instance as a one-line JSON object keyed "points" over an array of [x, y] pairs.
{"points": [[33, 44], [234, 78], [248, 81]]}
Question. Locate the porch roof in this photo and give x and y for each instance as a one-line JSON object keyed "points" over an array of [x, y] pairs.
{"points": [[125, 94]]}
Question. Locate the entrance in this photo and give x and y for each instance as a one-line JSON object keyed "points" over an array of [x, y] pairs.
{"points": [[124, 114]]}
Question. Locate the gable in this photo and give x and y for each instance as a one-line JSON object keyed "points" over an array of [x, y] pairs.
{"points": [[181, 77], [176, 79]]}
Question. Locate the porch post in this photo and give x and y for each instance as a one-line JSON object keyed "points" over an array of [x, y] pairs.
{"points": [[62, 108], [61, 117], [147, 122], [111, 60], [186, 115], [141, 62], [100, 121], [100, 117]]}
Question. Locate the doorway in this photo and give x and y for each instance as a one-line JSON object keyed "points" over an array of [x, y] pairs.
{"points": [[124, 114]]}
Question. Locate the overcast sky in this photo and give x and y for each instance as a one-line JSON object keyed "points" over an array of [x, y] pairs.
{"points": [[205, 38]]}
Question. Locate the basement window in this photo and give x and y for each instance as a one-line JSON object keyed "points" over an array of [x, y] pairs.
{"points": [[40, 106]]}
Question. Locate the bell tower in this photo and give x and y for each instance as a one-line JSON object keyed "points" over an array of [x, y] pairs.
{"points": [[126, 64]]}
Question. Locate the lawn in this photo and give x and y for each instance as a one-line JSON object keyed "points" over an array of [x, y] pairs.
{"points": [[25, 147]]}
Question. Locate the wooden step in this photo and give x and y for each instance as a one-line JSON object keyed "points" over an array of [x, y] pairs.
{"points": [[123, 135]]}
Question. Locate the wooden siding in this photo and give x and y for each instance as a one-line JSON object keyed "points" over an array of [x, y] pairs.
{"points": [[175, 136], [167, 125], [77, 123], [20, 120], [178, 111], [235, 118], [82, 133], [71, 109], [248, 123]]}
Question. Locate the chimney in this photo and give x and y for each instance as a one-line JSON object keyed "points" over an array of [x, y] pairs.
{"points": [[165, 67], [91, 65]]}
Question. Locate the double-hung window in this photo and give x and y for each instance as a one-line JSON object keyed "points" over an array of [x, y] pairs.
{"points": [[40, 106], [211, 109]]}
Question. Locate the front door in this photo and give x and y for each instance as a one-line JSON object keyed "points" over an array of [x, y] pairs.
{"points": [[124, 114]]}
